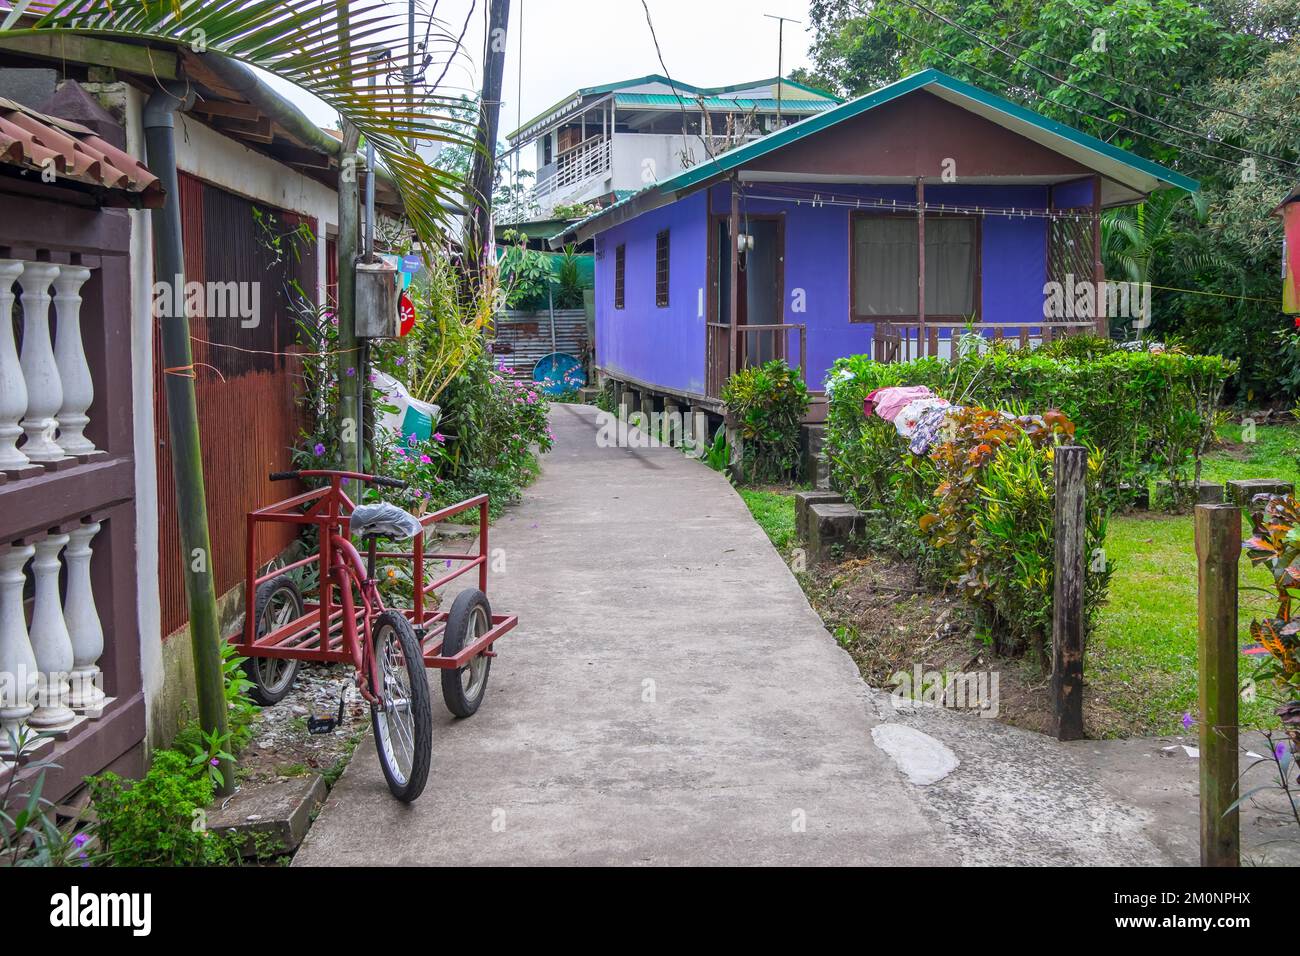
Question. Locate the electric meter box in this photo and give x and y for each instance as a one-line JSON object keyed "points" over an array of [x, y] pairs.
{"points": [[378, 294]]}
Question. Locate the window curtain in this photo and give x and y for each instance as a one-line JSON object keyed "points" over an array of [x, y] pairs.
{"points": [[885, 266]]}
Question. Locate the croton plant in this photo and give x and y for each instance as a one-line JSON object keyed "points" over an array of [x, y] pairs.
{"points": [[1275, 544]]}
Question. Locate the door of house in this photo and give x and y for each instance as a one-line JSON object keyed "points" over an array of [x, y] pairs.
{"points": [[759, 295]]}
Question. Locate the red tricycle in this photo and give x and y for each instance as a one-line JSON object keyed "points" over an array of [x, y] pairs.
{"points": [[346, 621]]}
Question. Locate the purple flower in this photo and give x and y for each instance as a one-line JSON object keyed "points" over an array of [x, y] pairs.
{"points": [[351, 372], [319, 449], [80, 840], [1187, 721], [214, 761], [439, 437], [401, 360], [425, 460], [1279, 751]]}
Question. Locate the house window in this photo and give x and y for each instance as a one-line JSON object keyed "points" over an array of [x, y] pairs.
{"points": [[620, 272], [661, 269], [884, 269]]}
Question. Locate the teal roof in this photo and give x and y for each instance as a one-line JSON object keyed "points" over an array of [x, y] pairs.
{"points": [[1088, 150], [586, 91], [668, 101]]}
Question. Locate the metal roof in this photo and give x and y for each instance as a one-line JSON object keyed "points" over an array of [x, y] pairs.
{"points": [[35, 141], [1140, 175], [575, 99], [668, 101]]}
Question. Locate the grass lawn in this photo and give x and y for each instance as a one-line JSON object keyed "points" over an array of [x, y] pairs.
{"points": [[1141, 664], [774, 512], [1143, 657]]}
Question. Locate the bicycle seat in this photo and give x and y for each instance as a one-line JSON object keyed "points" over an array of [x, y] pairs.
{"points": [[386, 520]]}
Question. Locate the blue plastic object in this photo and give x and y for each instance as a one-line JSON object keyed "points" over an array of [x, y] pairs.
{"points": [[558, 373]]}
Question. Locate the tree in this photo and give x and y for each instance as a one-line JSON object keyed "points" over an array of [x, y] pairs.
{"points": [[299, 41]]}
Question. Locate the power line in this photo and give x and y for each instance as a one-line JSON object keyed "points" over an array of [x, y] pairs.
{"points": [[996, 48], [686, 117], [1003, 82]]}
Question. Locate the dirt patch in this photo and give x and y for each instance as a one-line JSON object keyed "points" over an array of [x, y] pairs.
{"points": [[282, 745], [890, 621]]}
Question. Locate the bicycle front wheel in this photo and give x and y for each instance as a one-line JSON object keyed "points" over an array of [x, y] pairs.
{"points": [[403, 721]]}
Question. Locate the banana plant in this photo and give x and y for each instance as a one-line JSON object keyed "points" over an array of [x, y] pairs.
{"points": [[320, 46]]}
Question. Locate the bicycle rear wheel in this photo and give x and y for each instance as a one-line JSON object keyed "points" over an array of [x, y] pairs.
{"points": [[403, 724]]}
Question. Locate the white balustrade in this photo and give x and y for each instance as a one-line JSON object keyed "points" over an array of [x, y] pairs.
{"points": [[51, 642], [40, 371], [82, 620], [17, 662], [13, 388], [70, 358]]}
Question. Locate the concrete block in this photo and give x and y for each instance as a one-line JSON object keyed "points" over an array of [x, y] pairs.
{"points": [[1140, 496], [805, 499], [830, 524], [673, 426], [1241, 492], [1206, 493], [274, 817], [811, 440]]}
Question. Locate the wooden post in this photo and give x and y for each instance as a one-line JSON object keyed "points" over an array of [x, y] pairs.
{"points": [[921, 339], [1100, 319], [733, 228], [1070, 467], [1218, 550]]}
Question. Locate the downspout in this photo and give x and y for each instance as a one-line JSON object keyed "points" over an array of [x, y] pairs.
{"points": [[182, 417]]}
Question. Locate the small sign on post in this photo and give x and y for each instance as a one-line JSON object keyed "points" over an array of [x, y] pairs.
{"points": [[1218, 551], [1070, 467]]}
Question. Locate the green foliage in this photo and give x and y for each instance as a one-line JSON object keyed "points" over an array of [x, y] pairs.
{"points": [[767, 403], [157, 820], [718, 454], [525, 273], [574, 210], [29, 830], [568, 294], [1275, 545], [1151, 414]]}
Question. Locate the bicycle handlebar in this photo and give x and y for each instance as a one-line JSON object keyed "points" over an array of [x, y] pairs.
{"points": [[375, 479]]}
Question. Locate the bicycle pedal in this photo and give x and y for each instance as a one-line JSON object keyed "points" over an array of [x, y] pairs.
{"points": [[325, 725]]}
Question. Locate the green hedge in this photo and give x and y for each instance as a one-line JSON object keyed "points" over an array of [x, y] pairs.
{"points": [[977, 513], [1149, 413]]}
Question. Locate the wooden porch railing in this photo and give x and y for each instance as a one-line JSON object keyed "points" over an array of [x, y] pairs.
{"points": [[755, 344], [904, 341]]}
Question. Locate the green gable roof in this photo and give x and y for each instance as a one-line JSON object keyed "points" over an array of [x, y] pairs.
{"points": [[1088, 150]]}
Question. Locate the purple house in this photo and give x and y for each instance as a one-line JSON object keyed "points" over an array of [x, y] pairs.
{"points": [[809, 243]]}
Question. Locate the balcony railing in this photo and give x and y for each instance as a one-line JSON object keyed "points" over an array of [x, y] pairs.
{"points": [[755, 344], [50, 666], [576, 166], [46, 391]]}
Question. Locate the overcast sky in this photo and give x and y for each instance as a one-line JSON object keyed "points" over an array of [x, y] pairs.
{"points": [[568, 44]]}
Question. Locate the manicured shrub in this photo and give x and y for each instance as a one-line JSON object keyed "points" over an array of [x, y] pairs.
{"points": [[767, 403], [1149, 413]]}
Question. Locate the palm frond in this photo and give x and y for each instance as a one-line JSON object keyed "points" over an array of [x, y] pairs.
{"points": [[321, 46]]}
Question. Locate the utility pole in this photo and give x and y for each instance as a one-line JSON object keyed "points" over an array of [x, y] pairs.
{"points": [[482, 169], [780, 44]]}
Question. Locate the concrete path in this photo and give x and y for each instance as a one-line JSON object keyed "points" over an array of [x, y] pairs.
{"points": [[669, 698]]}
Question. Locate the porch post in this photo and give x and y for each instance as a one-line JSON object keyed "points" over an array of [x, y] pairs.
{"points": [[922, 340], [734, 238], [1100, 318]]}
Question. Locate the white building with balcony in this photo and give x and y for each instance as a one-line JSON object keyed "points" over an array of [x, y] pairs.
{"points": [[605, 142]]}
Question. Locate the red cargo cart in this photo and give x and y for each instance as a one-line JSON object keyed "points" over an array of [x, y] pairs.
{"points": [[343, 619]]}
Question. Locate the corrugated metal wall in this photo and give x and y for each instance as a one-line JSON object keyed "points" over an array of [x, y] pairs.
{"points": [[250, 420], [520, 339]]}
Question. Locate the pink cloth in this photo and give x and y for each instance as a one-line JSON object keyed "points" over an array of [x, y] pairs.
{"points": [[888, 402]]}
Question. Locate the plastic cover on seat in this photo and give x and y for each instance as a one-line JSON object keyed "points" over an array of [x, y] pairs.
{"points": [[385, 519]]}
